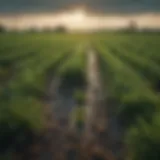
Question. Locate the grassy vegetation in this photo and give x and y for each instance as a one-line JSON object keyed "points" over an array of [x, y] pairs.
{"points": [[130, 68], [129, 65]]}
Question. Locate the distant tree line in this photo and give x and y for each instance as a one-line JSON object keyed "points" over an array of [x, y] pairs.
{"points": [[132, 27], [2, 29], [58, 29]]}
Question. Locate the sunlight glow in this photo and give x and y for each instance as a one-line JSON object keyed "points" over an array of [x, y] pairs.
{"points": [[77, 15]]}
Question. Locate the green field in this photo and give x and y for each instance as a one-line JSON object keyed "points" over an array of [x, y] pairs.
{"points": [[129, 66]]}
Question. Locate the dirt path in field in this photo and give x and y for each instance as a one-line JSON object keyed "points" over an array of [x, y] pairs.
{"points": [[102, 110], [95, 97], [99, 111]]}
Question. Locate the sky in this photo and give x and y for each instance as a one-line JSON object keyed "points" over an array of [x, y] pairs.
{"points": [[23, 14], [10, 6]]}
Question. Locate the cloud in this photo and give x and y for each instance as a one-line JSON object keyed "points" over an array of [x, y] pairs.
{"points": [[9, 6]]}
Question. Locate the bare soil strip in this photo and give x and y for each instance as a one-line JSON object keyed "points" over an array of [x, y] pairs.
{"points": [[95, 113]]}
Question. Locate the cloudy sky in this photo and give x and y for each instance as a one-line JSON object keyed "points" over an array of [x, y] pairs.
{"points": [[27, 13], [105, 5]]}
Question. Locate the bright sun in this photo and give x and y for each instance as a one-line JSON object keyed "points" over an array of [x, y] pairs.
{"points": [[77, 15]]}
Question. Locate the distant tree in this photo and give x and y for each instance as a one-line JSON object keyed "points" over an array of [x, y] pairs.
{"points": [[32, 30], [47, 29], [60, 29], [132, 26], [2, 28]]}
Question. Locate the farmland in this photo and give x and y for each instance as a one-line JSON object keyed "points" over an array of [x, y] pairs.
{"points": [[129, 66]]}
